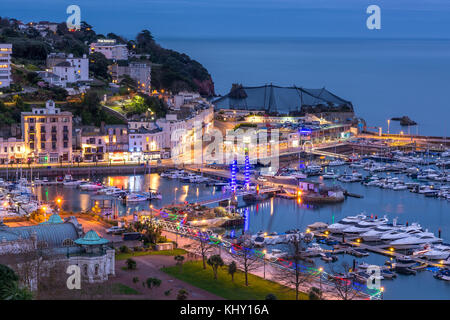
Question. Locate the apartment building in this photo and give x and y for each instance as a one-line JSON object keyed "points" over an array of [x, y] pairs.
{"points": [[47, 134], [5, 64], [93, 146], [110, 49], [141, 72]]}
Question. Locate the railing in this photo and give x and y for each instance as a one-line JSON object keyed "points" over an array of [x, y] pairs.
{"points": [[203, 234]]}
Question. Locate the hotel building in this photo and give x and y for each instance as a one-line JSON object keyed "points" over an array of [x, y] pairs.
{"points": [[5, 64], [110, 49], [47, 134]]}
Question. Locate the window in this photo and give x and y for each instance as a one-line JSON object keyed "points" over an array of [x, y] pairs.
{"points": [[96, 269], [85, 269], [53, 145], [12, 149], [42, 244], [42, 145], [65, 144], [67, 243]]}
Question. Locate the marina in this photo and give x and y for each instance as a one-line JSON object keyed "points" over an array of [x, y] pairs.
{"points": [[276, 215]]}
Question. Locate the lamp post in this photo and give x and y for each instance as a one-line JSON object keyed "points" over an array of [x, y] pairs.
{"points": [[320, 281], [264, 262]]}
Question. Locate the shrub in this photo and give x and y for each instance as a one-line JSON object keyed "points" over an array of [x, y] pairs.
{"points": [[271, 296], [131, 264], [124, 249], [182, 294]]}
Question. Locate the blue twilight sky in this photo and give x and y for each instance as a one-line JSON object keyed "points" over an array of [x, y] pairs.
{"points": [[246, 18]]}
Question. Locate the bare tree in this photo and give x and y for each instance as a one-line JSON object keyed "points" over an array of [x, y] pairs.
{"points": [[203, 247], [294, 275], [246, 259], [343, 284]]}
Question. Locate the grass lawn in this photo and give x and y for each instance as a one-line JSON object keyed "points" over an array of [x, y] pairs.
{"points": [[174, 252], [258, 288], [119, 288]]}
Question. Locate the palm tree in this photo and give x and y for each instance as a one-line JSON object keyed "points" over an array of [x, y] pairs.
{"points": [[179, 259], [12, 291], [215, 262], [232, 268]]}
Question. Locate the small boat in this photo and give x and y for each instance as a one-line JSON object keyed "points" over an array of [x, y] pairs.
{"points": [[134, 197], [405, 270], [443, 274], [90, 186]]}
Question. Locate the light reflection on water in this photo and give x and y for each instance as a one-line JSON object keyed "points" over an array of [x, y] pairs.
{"points": [[280, 215]]}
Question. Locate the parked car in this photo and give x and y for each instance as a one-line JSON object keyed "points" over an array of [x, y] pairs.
{"points": [[115, 230]]}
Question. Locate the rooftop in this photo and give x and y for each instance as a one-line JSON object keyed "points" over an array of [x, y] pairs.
{"points": [[271, 98]]}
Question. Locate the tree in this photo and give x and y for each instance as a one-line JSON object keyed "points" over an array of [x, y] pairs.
{"points": [[179, 259], [98, 64], [215, 261], [247, 260], [295, 275], [153, 282], [131, 264], [232, 268], [7, 279], [342, 283], [271, 296], [12, 291], [204, 247], [150, 230]]}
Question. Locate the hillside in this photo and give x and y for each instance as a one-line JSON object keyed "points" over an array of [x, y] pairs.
{"points": [[172, 70]]}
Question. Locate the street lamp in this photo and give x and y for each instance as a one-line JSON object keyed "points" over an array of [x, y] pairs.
{"points": [[320, 280], [264, 262]]}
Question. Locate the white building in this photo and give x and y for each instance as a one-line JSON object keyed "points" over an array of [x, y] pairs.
{"points": [[145, 144], [11, 150], [110, 49], [5, 64], [183, 98], [179, 131], [68, 68]]}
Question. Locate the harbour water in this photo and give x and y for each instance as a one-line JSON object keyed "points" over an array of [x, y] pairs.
{"points": [[280, 215]]}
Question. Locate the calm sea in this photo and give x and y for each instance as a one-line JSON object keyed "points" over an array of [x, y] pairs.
{"points": [[382, 78]]}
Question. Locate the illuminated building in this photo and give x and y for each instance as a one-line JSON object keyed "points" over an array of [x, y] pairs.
{"points": [[68, 68], [12, 150], [47, 134], [110, 49], [5, 64], [138, 71]]}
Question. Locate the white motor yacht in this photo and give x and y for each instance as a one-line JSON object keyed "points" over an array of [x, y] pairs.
{"points": [[345, 223], [438, 252], [330, 175], [336, 163], [415, 241]]}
